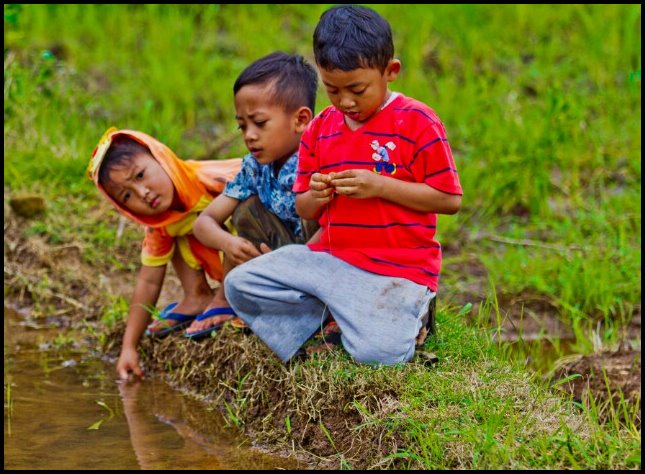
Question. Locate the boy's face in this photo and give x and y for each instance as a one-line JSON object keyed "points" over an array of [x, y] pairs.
{"points": [[270, 132], [142, 186], [359, 93]]}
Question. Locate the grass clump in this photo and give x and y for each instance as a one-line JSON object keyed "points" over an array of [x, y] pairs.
{"points": [[473, 410], [544, 121]]}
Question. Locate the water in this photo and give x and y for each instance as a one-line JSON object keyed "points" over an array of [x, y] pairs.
{"points": [[64, 410]]}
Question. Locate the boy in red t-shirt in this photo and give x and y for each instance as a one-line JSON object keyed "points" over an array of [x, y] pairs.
{"points": [[375, 168]]}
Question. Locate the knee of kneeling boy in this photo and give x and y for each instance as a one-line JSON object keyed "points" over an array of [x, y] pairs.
{"points": [[380, 355]]}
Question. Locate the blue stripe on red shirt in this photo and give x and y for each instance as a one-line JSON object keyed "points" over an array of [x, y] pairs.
{"points": [[404, 141]]}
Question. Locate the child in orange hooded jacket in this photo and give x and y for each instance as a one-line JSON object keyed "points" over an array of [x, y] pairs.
{"points": [[144, 180]]}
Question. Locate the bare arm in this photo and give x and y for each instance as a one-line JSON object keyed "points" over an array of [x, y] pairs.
{"points": [[316, 237], [209, 226], [209, 230], [309, 205], [146, 293], [362, 184]]}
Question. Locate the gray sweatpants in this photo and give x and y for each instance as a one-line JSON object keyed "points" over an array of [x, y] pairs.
{"points": [[285, 295]]}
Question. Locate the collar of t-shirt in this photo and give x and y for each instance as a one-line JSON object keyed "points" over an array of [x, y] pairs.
{"points": [[353, 124]]}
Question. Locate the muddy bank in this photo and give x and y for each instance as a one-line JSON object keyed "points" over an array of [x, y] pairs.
{"points": [[319, 408], [609, 377], [278, 408], [64, 411], [303, 405]]}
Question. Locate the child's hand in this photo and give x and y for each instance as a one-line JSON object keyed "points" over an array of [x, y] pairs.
{"points": [[360, 184], [321, 188], [128, 365], [240, 250]]}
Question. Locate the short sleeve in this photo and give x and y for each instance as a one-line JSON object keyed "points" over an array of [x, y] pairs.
{"points": [[307, 162], [158, 247], [246, 182], [432, 162]]}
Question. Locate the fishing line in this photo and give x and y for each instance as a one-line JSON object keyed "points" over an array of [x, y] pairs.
{"points": [[322, 316]]}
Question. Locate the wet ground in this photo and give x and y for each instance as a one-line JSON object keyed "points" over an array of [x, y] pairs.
{"points": [[53, 280], [610, 376], [64, 410], [529, 325]]}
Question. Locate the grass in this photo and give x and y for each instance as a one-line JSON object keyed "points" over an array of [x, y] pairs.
{"points": [[478, 407], [8, 404], [475, 409], [542, 125], [544, 121]]}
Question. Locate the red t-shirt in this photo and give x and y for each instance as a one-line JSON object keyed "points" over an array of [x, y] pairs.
{"points": [[406, 141]]}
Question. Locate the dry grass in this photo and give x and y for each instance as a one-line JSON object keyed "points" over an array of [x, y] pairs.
{"points": [[319, 405], [338, 413], [52, 280]]}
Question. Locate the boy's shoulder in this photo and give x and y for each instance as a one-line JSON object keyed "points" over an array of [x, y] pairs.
{"points": [[408, 107], [325, 114], [248, 161], [324, 122]]}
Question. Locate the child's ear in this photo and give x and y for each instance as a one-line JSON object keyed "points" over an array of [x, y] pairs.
{"points": [[392, 69], [301, 118]]}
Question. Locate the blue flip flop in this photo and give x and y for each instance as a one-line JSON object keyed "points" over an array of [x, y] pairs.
{"points": [[182, 319], [205, 315]]}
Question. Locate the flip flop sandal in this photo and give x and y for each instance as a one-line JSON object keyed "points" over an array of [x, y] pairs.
{"points": [[182, 320], [209, 314]]}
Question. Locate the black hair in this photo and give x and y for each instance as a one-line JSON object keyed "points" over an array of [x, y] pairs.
{"points": [[122, 151], [294, 80], [350, 37]]}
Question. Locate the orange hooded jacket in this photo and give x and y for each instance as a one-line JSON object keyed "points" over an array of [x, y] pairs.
{"points": [[196, 184]]}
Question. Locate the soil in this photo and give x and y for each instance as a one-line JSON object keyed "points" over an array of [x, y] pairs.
{"points": [[610, 377], [53, 282]]}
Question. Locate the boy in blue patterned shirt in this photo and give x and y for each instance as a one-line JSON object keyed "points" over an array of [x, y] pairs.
{"points": [[274, 102]]}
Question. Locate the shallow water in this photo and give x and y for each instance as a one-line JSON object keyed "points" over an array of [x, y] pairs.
{"points": [[64, 410]]}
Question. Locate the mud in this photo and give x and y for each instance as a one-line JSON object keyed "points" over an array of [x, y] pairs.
{"points": [[610, 377], [55, 282]]}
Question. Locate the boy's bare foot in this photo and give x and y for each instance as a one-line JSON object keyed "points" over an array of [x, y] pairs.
{"points": [[429, 325], [181, 314], [324, 340], [221, 312]]}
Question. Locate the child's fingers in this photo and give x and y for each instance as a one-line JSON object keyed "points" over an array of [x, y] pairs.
{"points": [[346, 191], [341, 174], [343, 182], [244, 251], [326, 193], [129, 374], [264, 248], [138, 372], [320, 178], [319, 186], [249, 250], [124, 374], [253, 251]]}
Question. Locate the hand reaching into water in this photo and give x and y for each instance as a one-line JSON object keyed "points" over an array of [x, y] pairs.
{"points": [[128, 366]]}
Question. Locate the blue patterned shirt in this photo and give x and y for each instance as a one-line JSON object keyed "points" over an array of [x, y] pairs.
{"points": [[274, 192]]}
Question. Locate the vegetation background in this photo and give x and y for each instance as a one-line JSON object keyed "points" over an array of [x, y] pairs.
{"points": [[541, 105]]}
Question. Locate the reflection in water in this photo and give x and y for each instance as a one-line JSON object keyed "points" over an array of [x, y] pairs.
{"points": [[540, 355], [55, 400]]}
